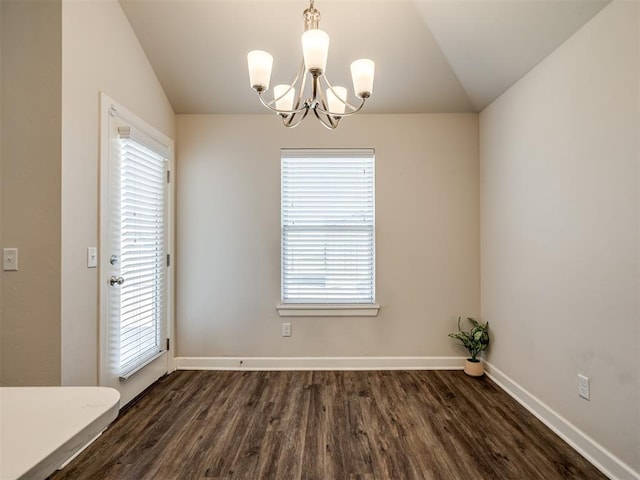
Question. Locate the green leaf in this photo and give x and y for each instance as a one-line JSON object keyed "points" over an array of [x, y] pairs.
{"points": [[476, 340]]}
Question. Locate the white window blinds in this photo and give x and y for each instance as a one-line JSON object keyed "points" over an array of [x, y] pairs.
{"points": [[143, 250], [328, 226]]}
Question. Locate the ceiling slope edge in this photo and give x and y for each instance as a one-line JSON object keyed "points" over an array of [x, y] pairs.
{"points": [[491, 44]]}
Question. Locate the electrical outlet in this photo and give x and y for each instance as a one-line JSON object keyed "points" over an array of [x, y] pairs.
{"points": [[10, 259], [286, 329], [583, 387]]}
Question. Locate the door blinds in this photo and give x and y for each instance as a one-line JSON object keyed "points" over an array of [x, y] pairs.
{"points": [[143, 250]]}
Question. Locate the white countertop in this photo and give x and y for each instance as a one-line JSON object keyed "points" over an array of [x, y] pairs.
{"points": [[42, 427]]}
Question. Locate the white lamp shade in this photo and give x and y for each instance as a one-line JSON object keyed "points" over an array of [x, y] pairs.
{"points": [[362, 74], [260, 63], [334, 103], [286, 102], [315, 48]]}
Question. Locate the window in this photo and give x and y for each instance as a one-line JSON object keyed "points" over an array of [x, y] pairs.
{"points": [[328, 231]]}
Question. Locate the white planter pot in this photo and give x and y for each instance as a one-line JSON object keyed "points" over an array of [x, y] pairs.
{"points": [[473, 369]]}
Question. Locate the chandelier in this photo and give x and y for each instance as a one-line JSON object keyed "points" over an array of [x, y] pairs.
{"points": [[328, 103]]}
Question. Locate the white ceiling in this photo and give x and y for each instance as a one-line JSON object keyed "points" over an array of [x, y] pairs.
{"points": [[431, 56]]}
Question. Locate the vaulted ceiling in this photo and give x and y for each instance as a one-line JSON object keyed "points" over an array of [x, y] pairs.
{"points": [[431, 55]]}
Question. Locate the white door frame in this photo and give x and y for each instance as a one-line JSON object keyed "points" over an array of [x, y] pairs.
{"points": [[134, 385]]}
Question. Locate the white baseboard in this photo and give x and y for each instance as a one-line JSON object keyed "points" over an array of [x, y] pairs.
{"points": [[319, 363], [599, 456]]}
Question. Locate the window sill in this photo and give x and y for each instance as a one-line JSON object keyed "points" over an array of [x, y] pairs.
{"points": [[314, 310]]}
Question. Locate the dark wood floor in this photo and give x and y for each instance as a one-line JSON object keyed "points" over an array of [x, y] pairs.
{"points": [[327, 425]]}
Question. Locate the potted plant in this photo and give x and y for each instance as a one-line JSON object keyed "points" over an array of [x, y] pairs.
{"points": [[475, 341]]}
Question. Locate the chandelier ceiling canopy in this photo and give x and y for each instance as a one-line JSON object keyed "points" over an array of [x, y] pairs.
{"points": [[328, 103]]}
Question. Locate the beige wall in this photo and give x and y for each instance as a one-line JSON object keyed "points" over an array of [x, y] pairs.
{"points": [[228, 235], [559, 215], [30, 192], [56, 58], [100, 52]]}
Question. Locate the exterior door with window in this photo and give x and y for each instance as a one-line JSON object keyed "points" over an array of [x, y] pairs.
{"points": [[135, 269]]}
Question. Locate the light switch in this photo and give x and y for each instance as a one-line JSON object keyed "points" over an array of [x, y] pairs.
{"points": [[10, 259], [92, 257]]}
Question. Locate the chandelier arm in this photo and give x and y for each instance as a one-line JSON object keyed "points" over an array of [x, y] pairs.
{"points": [[322, 103], [289, 121], [275, 100], [319, 106], [303, 83], [327, 120], [270, 104], [346, 114], [347, 104], [275, 110]]}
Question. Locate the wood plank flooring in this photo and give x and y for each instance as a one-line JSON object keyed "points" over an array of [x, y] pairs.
{"points": [[351, 425]]}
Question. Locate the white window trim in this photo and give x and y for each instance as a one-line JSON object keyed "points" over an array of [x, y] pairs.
{"points": [[330, 310]]}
